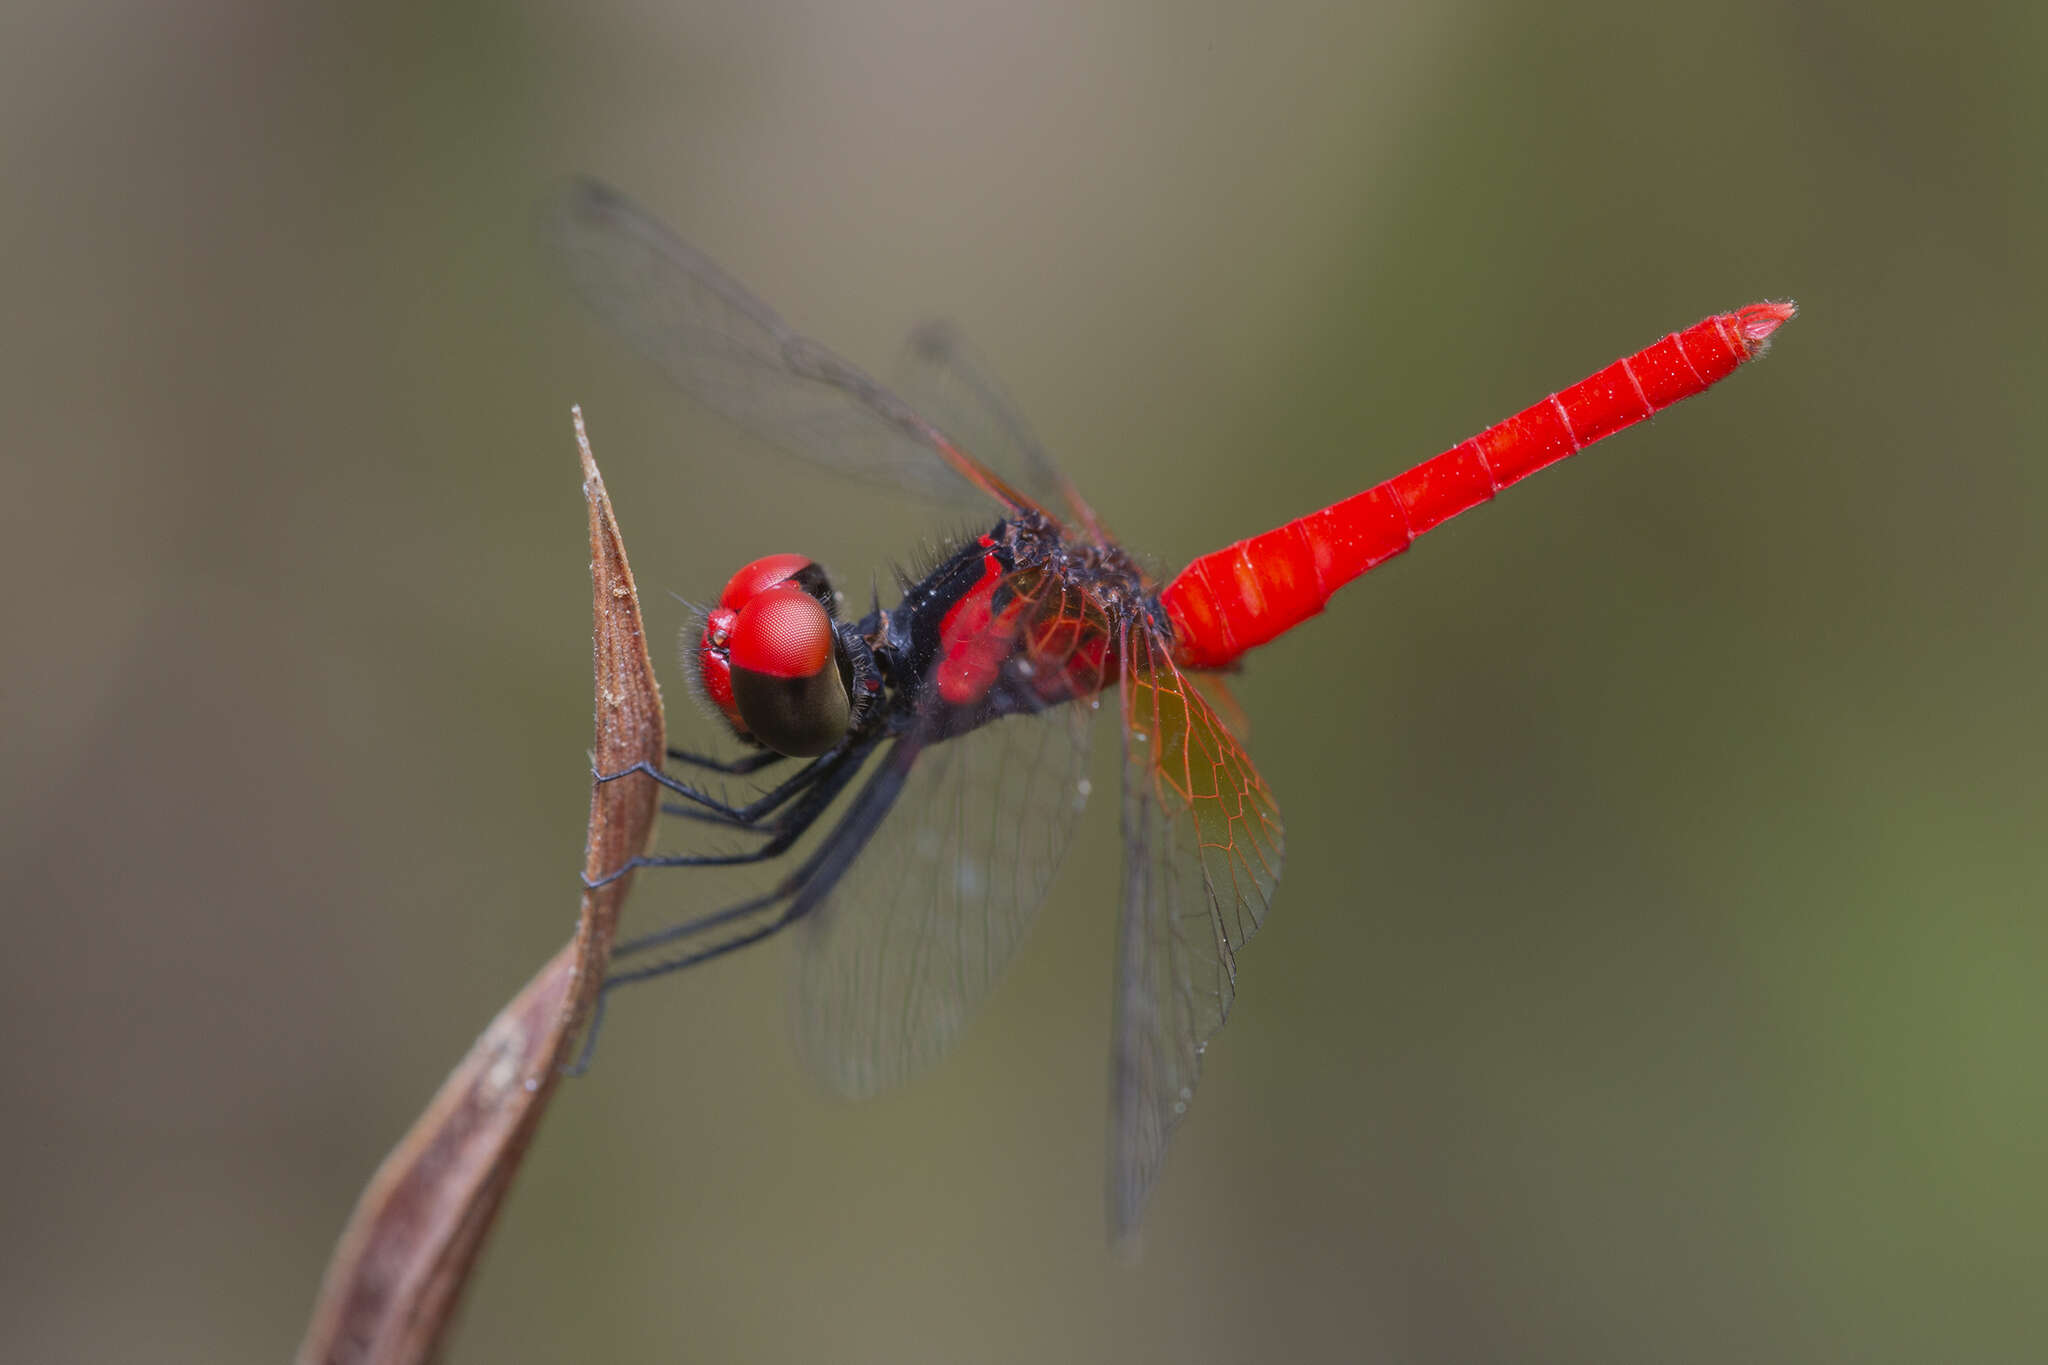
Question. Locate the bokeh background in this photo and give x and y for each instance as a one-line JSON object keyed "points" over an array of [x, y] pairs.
{"points": [[1659, 968]]}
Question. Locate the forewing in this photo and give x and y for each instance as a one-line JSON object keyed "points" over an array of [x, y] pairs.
{"points": [[1202, 852], [913, 938], [717, 342], [953, 389]]}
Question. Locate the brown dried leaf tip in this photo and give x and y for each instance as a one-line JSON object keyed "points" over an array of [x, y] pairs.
{"points": [[400, 1267]]}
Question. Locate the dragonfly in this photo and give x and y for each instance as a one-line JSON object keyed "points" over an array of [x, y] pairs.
{"points": [[942, 743]]}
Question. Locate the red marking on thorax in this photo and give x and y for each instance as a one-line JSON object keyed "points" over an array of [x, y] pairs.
{"points": [[974, 638]]}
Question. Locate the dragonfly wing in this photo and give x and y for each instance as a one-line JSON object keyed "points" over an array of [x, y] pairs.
{"points": [[1216, 691], [717, 342], [896, 959], [1203, 846], [951, 387]]}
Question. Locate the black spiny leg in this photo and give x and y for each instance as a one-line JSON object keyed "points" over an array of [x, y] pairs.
{"points": [[797, 894], [736, 767], [719, 812], [825, 779]]}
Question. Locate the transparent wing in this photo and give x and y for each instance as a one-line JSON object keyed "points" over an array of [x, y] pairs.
{"points": [[1216, 691], [951, 387], [911, 940], [720, 344], [1203, 847]]}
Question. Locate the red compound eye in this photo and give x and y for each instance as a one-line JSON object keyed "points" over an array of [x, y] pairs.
{"points": [[782, 633], [786, 680], [786, 637], [759, 576]]}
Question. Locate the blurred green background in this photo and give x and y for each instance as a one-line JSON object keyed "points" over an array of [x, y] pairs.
{"points": [[1658, 971]]}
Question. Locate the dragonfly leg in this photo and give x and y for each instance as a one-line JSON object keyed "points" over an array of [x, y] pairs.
{"points": [[688, 929], [818, 784], [738, 767], [797, 909], [748, 818], [719, 811], [780, 836], [682, 812], [797, 894]]}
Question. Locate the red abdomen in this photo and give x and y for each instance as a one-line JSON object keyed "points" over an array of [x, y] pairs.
{"points": [[1240, 597]]}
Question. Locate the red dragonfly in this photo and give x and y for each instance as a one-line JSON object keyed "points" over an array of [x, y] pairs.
{"points": [[969, 704]]}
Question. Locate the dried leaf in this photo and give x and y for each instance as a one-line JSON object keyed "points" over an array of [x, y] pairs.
{"points": [[406, 1254]]}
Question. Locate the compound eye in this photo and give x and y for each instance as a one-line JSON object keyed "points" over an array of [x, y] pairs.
{"points": [[786, 679], [768, 571]]}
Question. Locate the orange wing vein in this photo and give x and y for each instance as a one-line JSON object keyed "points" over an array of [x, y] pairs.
{"points": [[1203, 846]]}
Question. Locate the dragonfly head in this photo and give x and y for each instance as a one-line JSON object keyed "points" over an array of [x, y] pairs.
{"points": [[770, 658]]}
